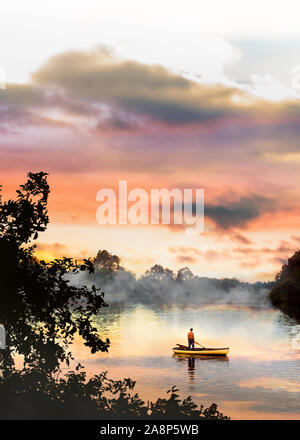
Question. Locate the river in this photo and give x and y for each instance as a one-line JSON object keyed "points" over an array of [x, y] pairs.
{"points": [[259, 379]]}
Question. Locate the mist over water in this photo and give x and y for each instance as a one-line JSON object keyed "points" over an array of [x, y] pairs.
{"points": [[123, 288]]}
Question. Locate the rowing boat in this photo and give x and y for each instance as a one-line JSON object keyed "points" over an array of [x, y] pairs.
{"points": [[201, 351]]}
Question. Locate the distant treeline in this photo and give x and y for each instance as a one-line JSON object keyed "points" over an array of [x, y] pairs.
{"points": [[161, 285]]}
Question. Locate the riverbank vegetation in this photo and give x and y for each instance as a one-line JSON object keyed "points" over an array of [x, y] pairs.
{"points": [[285, 294], [160, 285]]}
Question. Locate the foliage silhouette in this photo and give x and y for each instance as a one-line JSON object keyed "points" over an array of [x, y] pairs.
{"points": [[34, 394], [41, 312], [285, 294], [39, 309]]}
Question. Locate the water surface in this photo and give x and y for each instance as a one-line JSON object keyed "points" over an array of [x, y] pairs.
{"points": [[260, 378]]}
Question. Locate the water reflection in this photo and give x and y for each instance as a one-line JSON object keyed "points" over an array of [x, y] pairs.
{"points": [[193, 361], [191, 367]]}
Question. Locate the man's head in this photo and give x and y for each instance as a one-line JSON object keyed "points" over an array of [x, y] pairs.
{"points": [[191, 329]]}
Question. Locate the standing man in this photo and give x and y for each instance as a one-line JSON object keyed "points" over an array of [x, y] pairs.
{"points": [[191, 339]]}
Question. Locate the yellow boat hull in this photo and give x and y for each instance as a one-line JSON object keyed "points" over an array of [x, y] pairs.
{"points": [[202, 351]]}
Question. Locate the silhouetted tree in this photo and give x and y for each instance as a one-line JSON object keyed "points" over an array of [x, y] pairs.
{"points": [[227, 284], [158, 272], [286, 291], [184, 274], [106, 261], [40, 310]]}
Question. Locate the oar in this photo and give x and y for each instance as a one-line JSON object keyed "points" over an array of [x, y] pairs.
{"points": [[199, 344]]}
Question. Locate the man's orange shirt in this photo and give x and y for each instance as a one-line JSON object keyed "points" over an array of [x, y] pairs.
{"points": [[190, 335]]}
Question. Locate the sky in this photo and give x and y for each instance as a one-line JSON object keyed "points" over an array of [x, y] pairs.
{"points": [[166, 94]]}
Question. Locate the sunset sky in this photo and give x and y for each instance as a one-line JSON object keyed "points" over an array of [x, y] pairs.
{"points": [[166, 94]]}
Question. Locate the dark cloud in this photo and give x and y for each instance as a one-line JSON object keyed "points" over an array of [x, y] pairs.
{"points": [[172, 110], [12, 117], [186, 259], [16, 104], [277, 255], [89, 82], [229, 215], [239, 213], [117, 121], [242, 239], [97, 76], [22, 95], [28, 105]]}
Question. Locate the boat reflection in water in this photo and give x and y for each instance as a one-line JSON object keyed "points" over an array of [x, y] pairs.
{"points": [[192, 360]]}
